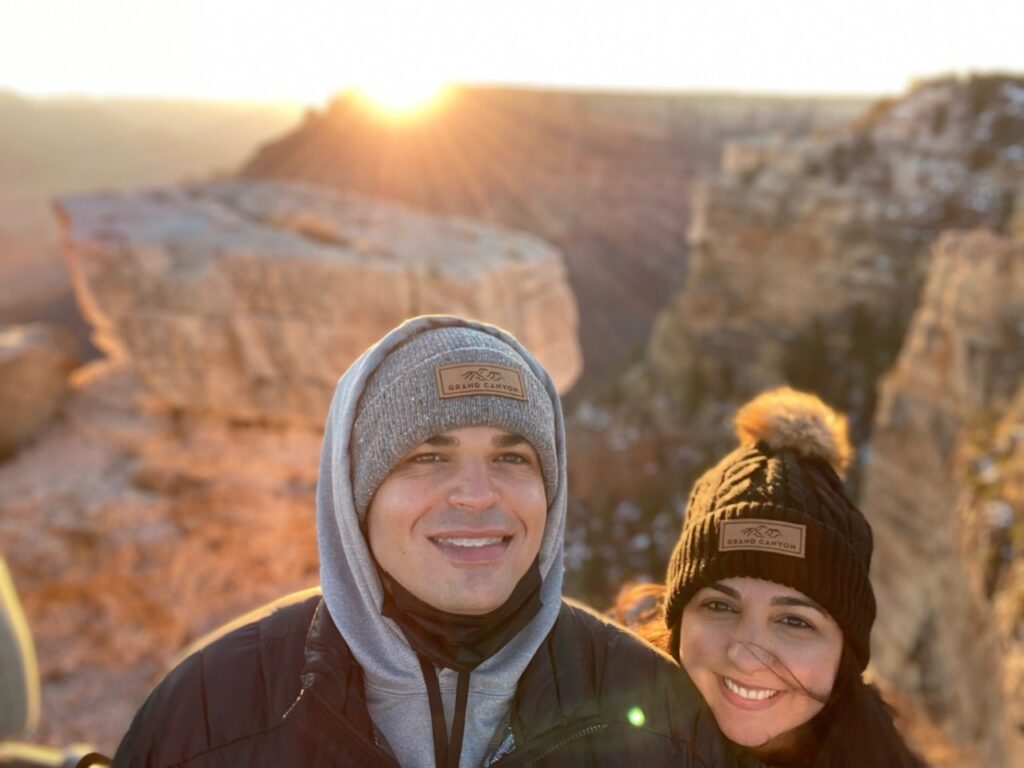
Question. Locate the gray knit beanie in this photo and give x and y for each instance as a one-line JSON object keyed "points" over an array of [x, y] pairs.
{"points": [[444, 379]]}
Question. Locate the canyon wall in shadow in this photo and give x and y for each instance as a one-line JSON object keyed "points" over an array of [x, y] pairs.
{"points": [[605, 177]]}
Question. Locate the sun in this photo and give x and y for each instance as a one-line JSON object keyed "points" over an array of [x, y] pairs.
{"points": [[401, 97]]}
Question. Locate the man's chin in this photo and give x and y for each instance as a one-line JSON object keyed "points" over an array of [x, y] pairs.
{"points": [[467, 599]]}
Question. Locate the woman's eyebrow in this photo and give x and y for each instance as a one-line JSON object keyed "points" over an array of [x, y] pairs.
{"points": [[786, 600], [719, 587], [798, 602]]}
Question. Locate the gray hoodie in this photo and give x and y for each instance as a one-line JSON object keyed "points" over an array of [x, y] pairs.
{"points": [[395, 690]]}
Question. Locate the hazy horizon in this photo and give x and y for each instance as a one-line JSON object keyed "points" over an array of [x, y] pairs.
{"points": [[301, 54]]}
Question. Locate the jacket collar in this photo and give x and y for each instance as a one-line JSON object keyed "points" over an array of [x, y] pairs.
{"points": [[331, 706]]}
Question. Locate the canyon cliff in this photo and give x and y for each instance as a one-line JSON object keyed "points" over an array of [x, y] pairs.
{"points": [[246, 300], [807, 259], [943, 491], [888, 250], [605, 177], [176, 490], [808, 255], [60, 145], [187, 458]]}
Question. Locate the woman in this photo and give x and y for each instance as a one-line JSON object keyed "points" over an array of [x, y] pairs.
{"points": [[768, 605]]}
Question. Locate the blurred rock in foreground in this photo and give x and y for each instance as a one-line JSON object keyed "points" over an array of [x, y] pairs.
{"points": [[35, 361], [246, 300], [130, 533]]}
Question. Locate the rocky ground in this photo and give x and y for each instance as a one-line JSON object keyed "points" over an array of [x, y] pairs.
{"points": [[131, 532]]}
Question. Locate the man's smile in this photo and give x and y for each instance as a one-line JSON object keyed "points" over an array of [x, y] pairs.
{"points": [[472, 547]]}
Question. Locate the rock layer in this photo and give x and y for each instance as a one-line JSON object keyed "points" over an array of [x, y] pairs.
{"points": [[604, 176], [247, 300], [809, 254], [937, 637]]}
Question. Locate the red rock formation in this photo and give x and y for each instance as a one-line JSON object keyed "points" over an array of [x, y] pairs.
{"points": [[809, 254], [936, 638], [605, 177], [247, 300]]}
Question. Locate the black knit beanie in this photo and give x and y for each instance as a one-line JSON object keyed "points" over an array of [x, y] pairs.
{"points": [[775, 509]]}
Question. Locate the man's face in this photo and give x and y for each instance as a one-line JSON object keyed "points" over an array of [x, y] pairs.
{"points": [[460, 519]]}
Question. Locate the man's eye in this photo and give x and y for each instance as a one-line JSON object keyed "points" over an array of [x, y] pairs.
{"points": [[514, 458], [426, 458]]}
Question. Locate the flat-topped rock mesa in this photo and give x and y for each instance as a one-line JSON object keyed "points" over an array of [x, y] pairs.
{"points": [[247, 300], [605, 177], [944, 491], [233, 308], [808, 255]]}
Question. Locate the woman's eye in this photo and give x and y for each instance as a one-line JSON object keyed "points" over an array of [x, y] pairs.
{"points": [[719, 606], [796, 622]]}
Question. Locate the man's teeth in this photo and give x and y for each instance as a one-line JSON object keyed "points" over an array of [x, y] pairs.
{"points": [[746, 693], [485, 541]]}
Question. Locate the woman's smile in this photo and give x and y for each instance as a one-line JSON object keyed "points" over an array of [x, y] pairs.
{"points": [[748, 696], [764, 656]]}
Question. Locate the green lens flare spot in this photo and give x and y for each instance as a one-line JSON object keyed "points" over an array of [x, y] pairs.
{"points": [[636, 716]]}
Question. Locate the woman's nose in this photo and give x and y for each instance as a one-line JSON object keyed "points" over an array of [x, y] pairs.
{"points": [[473, 487], [748, 654]]}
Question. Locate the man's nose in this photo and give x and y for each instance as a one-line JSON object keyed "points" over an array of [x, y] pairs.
{"points": [[473, 487]]}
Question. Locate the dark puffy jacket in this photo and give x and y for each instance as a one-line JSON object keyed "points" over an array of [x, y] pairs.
{"points": [[284, 691]]}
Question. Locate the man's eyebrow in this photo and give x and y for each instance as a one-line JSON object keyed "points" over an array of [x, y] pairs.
{"points": [[441, 441], [508, 439]]}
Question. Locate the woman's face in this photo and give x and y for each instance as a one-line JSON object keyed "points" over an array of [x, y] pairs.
{"points": [[763, 656]]}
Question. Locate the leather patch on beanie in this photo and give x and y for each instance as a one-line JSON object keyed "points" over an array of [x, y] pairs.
{"points": [[467, 379], [762, 535]]}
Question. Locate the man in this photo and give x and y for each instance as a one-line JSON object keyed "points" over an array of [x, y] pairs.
{"points": [[441, 638]]}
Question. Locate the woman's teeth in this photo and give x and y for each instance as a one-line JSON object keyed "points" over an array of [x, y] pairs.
{"points": [[758, 695], [486, 541]]}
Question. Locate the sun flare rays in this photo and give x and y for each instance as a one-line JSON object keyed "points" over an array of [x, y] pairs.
{"points": [[400, 98]]}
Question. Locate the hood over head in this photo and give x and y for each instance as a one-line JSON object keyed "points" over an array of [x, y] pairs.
{"points": [[354, 462]]}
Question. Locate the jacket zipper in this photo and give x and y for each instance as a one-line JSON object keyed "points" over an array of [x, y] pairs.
{"points": [[511, 759], [579, 734], [352, 737]]}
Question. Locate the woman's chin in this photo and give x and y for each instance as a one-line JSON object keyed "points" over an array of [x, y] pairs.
{"points": [[746, 737]]}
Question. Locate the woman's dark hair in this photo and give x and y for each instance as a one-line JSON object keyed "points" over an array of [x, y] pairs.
{"points": [[856, 727], [854, 730]]}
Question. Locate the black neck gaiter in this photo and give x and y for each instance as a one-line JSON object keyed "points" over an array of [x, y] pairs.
{"points": [[455, 641]]}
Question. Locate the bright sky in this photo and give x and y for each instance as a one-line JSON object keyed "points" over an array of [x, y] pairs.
{"points": [[304, 50]]}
